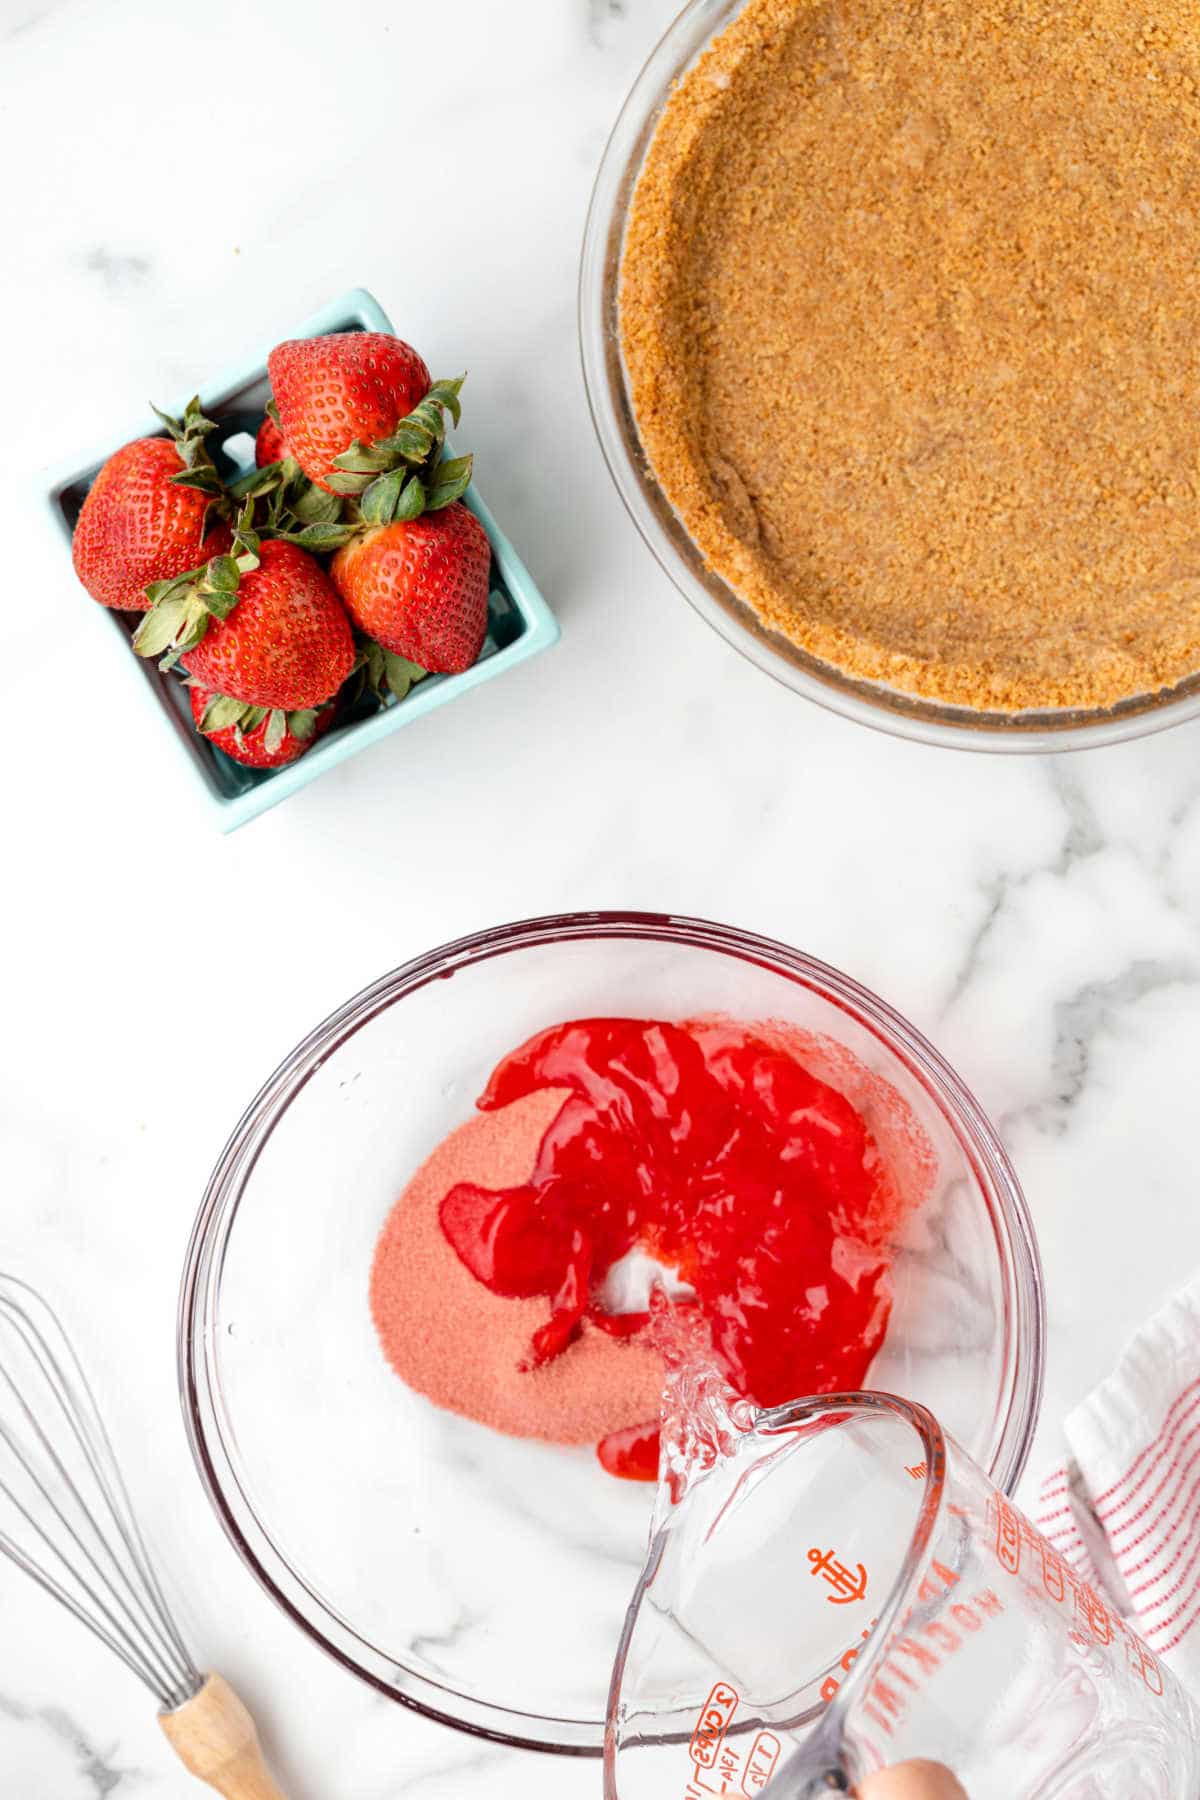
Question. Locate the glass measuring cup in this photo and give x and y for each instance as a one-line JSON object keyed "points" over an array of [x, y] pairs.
{"points": [[840, 1588]]}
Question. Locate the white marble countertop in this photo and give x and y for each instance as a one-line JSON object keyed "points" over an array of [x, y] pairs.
{"points": [[180, 186]]}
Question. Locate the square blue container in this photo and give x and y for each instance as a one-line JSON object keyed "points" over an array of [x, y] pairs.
{"points": [[520, 623]]}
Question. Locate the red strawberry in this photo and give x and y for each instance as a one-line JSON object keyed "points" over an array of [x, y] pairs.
{"points": [[249, 736], [138, 526], [420, 586], [286, 642], [333, 391], [269, 445]]}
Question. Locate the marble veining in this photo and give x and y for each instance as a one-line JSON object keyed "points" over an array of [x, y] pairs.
{"points": [[601, 14], [447, 1780], [425, 1645], [1096, 1009], [99, 1774], [23, 22], [1081, 838], [1038, 918], [116, 269]]}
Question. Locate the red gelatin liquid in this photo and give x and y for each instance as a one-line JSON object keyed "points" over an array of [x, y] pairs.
{"points": [[720, 1156]]}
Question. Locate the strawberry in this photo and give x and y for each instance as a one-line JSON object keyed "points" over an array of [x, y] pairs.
{"points": [[352, 388], [269, 445], [262, 624], [420, 587], [144, 519], [258, 737], [286, 642]]}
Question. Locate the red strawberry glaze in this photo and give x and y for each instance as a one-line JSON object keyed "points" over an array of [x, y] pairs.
{"points": [[712, 1148], [631, 1453]]}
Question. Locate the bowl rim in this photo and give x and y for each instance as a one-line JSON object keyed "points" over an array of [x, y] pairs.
{"points": [[605, 381], [1020, 1265]]}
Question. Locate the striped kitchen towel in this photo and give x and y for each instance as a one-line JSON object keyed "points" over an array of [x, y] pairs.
{"points": [[1124, 1507]]}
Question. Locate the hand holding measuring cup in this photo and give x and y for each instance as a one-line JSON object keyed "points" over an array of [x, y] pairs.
{"points": [[912, 1781], [840, 1590]]}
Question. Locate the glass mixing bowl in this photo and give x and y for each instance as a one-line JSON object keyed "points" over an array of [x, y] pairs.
{"points": [[870, 703], [479, 1578]]}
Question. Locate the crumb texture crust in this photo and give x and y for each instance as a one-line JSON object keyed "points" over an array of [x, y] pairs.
{"points": [[910, 308]]}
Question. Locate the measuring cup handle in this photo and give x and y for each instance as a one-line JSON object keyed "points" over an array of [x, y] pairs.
{"points": [[214, 1736]]}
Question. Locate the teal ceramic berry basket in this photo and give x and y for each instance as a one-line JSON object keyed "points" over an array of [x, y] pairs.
{"points": [[520, 623]]}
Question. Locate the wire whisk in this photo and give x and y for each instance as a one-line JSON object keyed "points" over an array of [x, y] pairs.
{"points": [[66, 1519]]}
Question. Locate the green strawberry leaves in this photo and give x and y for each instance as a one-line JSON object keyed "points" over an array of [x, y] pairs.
{"points": [[445, 393], [167, 625], [402, 494], [397, 495], [379, 502], [399, 674], [381, 673], [190, 435], [367, 459], [410, 502], [223, 713], [223, 575], [189, 432], [296, 509], [180, 612], [311, 504], [303, 723], [319, 539], [413, 452], [425, 427], [450, 482], [204, 480], [256, 482]]}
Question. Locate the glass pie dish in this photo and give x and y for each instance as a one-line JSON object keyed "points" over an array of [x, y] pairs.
{"points": [[867, 702]]}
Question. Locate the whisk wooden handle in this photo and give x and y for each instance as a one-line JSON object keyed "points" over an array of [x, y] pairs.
{"points": [[214, 1736]]}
